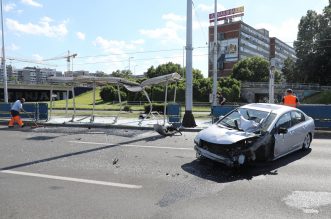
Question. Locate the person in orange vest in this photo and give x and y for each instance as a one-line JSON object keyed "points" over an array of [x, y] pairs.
{"points": [[290, 99], [15, 113]]}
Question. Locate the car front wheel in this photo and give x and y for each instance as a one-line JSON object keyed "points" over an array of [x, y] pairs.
{"points": [[306, 142]]}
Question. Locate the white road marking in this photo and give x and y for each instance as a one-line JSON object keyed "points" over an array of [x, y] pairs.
{"points": [[88, 181], [131, 145], [308, 201]]}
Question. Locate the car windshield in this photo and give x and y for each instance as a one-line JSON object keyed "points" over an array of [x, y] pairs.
{"points": [[248, 120]]}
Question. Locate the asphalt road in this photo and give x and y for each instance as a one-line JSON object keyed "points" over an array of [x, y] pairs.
{"points": [[98, 173]]}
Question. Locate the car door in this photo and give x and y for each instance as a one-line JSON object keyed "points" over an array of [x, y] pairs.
{"points": [[283, 142], [298, 129]]}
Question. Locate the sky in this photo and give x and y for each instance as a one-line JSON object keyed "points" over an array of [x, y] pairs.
{"points": [[108, 35]]}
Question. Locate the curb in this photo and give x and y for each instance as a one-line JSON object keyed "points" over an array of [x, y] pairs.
{"points": [[319, 133]]}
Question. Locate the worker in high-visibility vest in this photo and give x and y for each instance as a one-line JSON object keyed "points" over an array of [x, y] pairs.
{"points": [[290, 99], [15, 113]]}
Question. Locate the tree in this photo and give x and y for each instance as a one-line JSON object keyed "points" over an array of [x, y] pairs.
{"points": [[313, 47], [164, 69], [251, 69], [230, 89], [289, 71], [122, 73]]}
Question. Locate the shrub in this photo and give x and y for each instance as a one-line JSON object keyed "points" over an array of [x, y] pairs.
{"points": [[127, 108]]}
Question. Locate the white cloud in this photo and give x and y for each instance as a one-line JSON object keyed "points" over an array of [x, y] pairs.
{"points": [[37, 57], [44, 27], [173, 17], [80, 35], [119, 53], [170, 32], [13, 47], [9, 7], [286, 31], [117, 46], [32, 3]]}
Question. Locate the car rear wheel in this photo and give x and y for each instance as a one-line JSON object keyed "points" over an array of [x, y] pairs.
{"points": [[306, 142]]}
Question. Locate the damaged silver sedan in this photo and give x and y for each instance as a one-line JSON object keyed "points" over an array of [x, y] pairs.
{"points": [[256, 131]]}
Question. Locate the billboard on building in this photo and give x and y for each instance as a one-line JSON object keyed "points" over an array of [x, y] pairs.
{"points": [[227, 51], [230, 13]]}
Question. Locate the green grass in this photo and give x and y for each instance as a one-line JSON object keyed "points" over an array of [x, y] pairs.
{"points": [[320, 98], [85, 101]]}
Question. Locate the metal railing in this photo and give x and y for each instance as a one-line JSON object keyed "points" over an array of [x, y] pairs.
{"points": [[299, 86]]}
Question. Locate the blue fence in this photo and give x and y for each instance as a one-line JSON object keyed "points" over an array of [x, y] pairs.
{"points": [[35, 111], [218, 111], [320, 113]]}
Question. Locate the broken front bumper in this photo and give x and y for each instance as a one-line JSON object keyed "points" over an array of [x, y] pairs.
{"points": [[204, 153]]}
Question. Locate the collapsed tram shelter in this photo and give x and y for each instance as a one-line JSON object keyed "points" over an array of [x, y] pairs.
{"points": [[165, 80]]}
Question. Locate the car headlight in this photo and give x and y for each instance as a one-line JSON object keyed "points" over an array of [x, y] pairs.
{"points": [[197, 140]]}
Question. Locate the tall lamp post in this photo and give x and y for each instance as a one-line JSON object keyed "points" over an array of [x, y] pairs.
{"points": [[272, 81], [3, 61], [214, 99], [188, 119]]}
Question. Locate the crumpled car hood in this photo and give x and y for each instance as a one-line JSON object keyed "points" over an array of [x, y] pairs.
{"points": [[218, 135]]}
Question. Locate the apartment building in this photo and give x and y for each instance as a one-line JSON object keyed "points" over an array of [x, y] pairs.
{"points": [[237, 40]]}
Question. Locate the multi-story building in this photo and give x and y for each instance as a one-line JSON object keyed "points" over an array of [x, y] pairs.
{"points": [[29, 75], [280, 51], [238, 40], [12, 74], [80, 73], [44, 73]]}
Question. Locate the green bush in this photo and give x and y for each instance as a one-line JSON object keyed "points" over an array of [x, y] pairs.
{"points": [[127, 108], [109, 93]]}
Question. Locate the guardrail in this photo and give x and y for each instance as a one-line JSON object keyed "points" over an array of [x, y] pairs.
{"points": [[319, 112]]}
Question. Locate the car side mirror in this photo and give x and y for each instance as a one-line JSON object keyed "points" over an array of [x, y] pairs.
{"points": [[282, 130]]}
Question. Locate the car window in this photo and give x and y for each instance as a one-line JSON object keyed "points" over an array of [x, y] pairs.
{"points": [[267, 122], [229, 120], [297, 117], [284, 121]]}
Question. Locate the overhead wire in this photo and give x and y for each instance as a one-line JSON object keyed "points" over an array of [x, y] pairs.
{"points": [[202, 30]]}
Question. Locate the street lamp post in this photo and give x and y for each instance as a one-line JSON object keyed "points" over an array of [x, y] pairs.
{"points": [[3, 63], [272, 81], [214, 99], [188, 119]]}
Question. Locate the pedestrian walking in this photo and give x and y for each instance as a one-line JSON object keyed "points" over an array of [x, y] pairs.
{"points": [[15, 113], [221, 98], [290, 99]]}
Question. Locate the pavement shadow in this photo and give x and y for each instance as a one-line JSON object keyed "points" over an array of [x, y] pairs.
{"points": [[147, 139], [217, 172], [42, 138]]}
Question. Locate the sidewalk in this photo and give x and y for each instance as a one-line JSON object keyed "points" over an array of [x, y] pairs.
{"points": [[131, 123]]}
